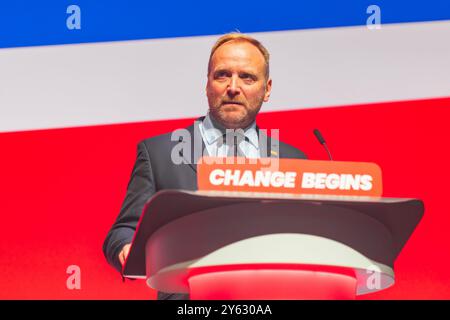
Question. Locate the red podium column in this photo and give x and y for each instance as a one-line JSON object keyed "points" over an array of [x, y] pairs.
{"points": [[260, 282]]}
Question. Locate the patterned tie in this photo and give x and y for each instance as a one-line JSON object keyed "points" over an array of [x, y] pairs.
{"points": [[234, 149]]}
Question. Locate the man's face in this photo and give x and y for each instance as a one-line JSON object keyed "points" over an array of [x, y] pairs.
{"points": [[237, 85]]}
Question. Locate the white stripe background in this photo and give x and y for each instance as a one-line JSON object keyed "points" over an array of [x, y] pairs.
{"points": [[133, 81]]}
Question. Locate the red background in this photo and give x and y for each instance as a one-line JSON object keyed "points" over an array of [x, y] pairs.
{"points": [[61, 190]]}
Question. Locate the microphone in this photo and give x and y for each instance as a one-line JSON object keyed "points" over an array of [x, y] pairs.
{"points": [[322, 142]]}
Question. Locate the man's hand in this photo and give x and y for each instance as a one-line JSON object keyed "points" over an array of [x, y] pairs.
{"points": [[124, 253]]}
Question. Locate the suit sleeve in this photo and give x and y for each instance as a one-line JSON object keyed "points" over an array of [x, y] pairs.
{"points": [[140, 188]]}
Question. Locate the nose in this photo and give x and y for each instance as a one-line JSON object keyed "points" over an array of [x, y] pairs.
{"points": [[233, 87]]}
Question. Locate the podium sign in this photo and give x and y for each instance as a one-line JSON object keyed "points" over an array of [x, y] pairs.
{"points": [[290, 176]]}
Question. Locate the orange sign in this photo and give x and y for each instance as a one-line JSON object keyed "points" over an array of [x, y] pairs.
{"points": [[290, 176]]}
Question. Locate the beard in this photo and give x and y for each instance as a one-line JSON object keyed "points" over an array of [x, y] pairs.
{"points": [[234, 116]]}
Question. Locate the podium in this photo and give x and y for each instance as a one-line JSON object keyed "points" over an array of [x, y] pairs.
{"points": [[242, 245]]}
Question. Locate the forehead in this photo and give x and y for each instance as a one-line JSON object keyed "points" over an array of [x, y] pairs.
{"points": [[235, 54]]}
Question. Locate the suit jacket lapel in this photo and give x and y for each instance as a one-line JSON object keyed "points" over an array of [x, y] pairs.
{"points": [[197, 144], [268, 147]]}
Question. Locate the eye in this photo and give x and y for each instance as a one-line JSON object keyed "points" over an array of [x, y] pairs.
{"points": [[221, 74], [248, 77]]}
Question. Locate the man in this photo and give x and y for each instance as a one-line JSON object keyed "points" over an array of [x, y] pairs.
{"points": [[238, 84]]}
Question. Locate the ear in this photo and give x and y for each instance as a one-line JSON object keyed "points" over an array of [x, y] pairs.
{"points": [[268, 90], [207, 85]]}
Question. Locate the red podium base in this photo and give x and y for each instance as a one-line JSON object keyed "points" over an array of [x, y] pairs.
{"points": [[272, 282]]}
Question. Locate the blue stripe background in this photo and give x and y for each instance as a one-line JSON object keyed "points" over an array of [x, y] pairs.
{"points": [[31, 23]]}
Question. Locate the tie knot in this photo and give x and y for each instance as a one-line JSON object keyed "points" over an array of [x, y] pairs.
{"points": [[233, 137]]}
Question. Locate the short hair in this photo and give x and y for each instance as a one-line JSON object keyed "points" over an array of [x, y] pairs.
{"points": [[240, 37]]}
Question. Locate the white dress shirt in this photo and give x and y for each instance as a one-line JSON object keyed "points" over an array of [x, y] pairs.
{"points": [[213, 139]]}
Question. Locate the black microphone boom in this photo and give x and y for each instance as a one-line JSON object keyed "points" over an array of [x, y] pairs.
{"points": [[322, 142]]}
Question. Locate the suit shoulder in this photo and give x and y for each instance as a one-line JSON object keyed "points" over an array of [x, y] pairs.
{"points": [[157, 140], [289, 151]]}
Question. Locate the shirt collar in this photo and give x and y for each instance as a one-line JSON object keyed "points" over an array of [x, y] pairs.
{"points": [[212, 132]]}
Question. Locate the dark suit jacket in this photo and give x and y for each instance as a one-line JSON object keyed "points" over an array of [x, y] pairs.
{"points": [[153, 171]]}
